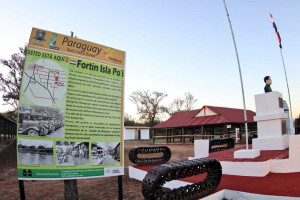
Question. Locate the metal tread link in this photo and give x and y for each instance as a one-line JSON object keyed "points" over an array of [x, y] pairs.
{"points": [[133, 155], [229, 141], [154, 180]]}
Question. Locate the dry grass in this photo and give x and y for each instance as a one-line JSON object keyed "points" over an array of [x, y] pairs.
{"points": [[95, 188]]}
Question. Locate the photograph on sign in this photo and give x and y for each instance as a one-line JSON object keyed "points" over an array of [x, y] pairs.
{"points": [[41, 121], [35, 152], [105, 153], [72, 153]]}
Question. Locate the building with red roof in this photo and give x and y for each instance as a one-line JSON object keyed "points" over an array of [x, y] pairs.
{"points": [[209, 120], [7, 127]]}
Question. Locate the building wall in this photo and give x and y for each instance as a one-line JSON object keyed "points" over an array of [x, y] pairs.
{"points": [[132, 134], [206, 112], [145, 134], [129, 134]]}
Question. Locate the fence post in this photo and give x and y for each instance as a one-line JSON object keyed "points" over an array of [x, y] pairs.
{"points": [[4, 132]]}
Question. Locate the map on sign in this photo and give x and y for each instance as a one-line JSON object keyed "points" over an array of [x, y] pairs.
{"points": [[44, 82]]}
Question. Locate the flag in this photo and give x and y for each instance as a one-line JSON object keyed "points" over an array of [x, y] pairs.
{"points": [[276, 31], [73, 62]]}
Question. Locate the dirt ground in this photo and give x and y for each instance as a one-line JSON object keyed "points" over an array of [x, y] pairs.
{"points": [[95, 188]]}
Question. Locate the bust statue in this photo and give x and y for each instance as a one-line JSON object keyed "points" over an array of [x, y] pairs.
{"points": [[268, 82]]}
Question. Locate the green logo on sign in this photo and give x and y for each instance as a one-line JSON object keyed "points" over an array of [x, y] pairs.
{"points": [[52, 42]]}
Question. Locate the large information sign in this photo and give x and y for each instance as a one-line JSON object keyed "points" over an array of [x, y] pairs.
{"points": [[70, 122]]}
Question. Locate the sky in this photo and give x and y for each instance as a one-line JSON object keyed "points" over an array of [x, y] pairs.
{"points": [[176, 46]]}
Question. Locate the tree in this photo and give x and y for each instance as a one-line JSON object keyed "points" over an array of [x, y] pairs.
{"points": [[13, 115], [148, 104], [10, 85], [189, 101], [178, 104], [174, 107], [129, 120]]}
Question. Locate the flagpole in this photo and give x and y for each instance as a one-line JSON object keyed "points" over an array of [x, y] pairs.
{"points": [[280, 47], [287, 84], [241, 78]]}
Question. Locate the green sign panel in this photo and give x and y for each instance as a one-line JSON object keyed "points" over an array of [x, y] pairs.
{"points": [[70, 121]]}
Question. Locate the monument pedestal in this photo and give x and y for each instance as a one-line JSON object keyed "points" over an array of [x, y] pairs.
{"points": [[247, 153], [271, 122], [273, 143]]}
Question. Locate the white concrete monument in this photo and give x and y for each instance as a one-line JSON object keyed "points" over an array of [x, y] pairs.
{"points": [[246, 153], [271, 122], [290, 124], [201, 149]]}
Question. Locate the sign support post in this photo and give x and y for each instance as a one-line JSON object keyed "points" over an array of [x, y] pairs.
{"points": [[71, 192], [22, 190], [120, 187]]}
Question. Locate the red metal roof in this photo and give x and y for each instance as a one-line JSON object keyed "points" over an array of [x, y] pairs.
{"points": [[224, 115]]}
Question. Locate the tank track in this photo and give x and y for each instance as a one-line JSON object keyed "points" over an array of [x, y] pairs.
{"points": [[214, 142], [133, 155], [154, 180]]}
